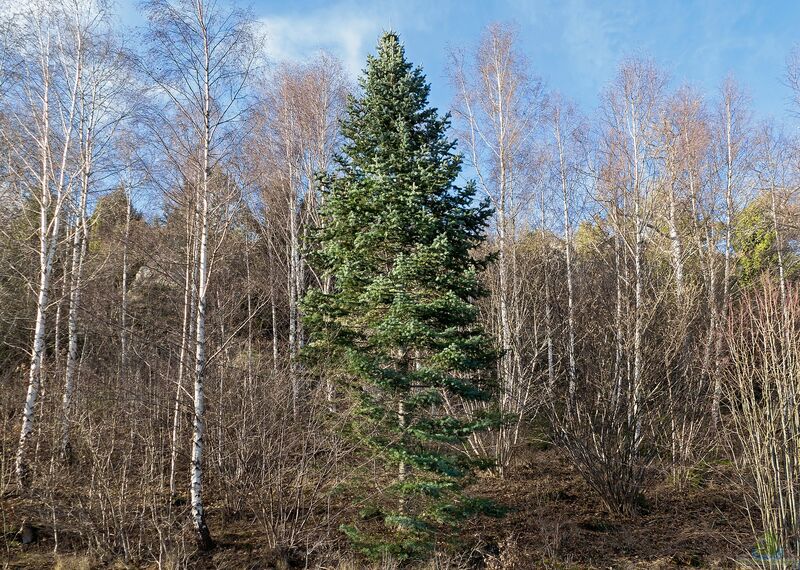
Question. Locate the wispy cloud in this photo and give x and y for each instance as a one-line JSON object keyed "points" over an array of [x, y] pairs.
{"points": [[348, 29], [596, 35], [586, 37], [347, 34]]}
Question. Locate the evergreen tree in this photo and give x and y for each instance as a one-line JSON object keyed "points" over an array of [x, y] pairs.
{"points": [[400, 324]]}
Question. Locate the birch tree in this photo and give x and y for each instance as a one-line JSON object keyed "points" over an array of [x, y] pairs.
{"points": [[603, 428], [101, 108], [566, 135], [775, 175], [498, 109], [299, 116], [205, 53], [731, 154], [688, 217], [47, 72], [634, 111]]}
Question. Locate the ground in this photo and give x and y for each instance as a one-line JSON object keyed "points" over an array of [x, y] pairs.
{"points": [[554, 520]]}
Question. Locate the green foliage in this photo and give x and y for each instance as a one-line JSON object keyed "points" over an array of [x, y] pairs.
{"points": [[589, 237], [109, 218], [754, 239], [400, 329], [411, 538], [768, 545]]}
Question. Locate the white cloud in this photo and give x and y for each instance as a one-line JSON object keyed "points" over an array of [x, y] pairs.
{"points": [[345, 33], [595, 35]]}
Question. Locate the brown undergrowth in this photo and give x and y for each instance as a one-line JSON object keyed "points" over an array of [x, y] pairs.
{"points": [[554, 520]]}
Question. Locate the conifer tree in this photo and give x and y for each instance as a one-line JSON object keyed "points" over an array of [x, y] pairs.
{"points": [[399, 240]]}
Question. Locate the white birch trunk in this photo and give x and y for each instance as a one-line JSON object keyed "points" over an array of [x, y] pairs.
{"points": [[124, 336], [726, 278], [187, 332], [79, 244], [48, 240], [616, 396], [676, 248], [638, 277], [294, 288], [551, 374], [198, 435], [571, 366], [273, 305]]}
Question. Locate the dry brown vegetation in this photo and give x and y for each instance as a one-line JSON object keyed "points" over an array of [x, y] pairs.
{"points": [[154, 408]]}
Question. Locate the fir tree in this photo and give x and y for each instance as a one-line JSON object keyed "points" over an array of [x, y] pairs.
{"points": [[399, 241]]}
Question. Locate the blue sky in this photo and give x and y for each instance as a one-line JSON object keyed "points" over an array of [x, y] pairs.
{"points": [[573, 45]]}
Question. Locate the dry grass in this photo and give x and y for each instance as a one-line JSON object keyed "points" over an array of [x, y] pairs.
{"points": [[73, 562]]}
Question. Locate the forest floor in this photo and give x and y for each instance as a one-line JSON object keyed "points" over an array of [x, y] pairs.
{"points": [[557, 521], [554, 520]]}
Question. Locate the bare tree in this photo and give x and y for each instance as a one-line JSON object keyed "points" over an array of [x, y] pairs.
{"points": [[603, 427], [101, 108], [567, 135], [298, 134], [205, 53], [732, 149], [499, 108], [686, 181], [48, 75], [634, 108], [763, 348]]}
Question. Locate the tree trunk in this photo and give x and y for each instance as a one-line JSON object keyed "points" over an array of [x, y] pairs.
{"points": [[198, 437], [726, 278], [571, 372], [48, 241], [79, 242]]}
